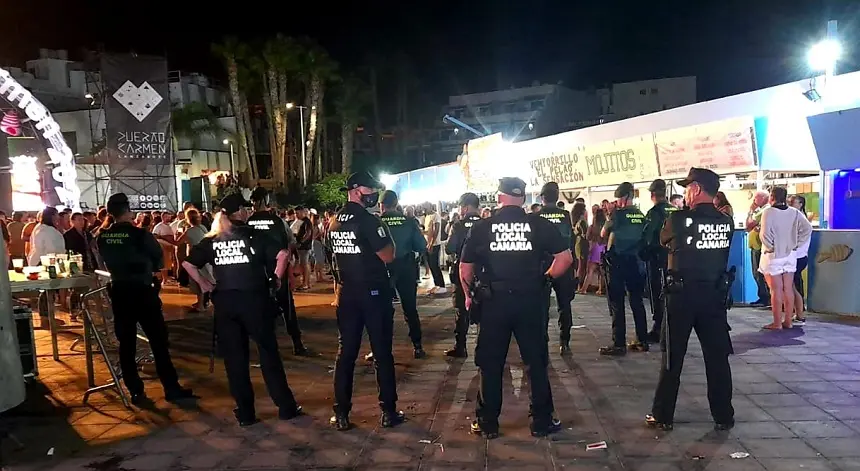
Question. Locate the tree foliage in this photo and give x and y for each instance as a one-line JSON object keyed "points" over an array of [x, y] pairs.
{"points": [[328, 191], [194, 121]]}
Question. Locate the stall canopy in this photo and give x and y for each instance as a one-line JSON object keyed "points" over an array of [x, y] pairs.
{"points": [[836, 138]]}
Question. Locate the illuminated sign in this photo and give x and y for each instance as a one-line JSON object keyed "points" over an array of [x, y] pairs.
{"points": [[26, 184], [59, 154]]}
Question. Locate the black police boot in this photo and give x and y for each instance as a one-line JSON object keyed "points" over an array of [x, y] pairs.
{"points": [[340, 422], [638, 346], [652, 422], [392, 418], [654, 336], [613, 351], [457, 352], [291, 413], [245, 419], [179, 394], [483, 430], [723, 426], [544, 430], [139, 398], [299, 349], [419, 351], [564, 348]]}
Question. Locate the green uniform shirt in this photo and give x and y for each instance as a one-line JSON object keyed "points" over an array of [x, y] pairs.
{"points": [[654, 220], [624, 229], [405, 233], [130, 253]]}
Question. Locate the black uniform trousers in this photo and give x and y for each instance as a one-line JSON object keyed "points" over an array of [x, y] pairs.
{"points": [[133, 304], [565, 290], [504, 314], [402, 271], [625, 277], [653, 269], [287, 306], [698, 307], [461, 314], [359, 308], [240, 315]]}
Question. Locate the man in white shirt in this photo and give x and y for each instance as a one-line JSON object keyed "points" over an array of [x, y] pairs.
{"points": [[433, 234], [167, 239]]}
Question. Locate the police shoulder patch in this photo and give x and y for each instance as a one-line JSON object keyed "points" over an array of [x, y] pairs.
{"points": [[381, 231]]}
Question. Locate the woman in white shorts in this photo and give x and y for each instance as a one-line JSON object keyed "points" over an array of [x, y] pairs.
{"points": [[783, 230]]}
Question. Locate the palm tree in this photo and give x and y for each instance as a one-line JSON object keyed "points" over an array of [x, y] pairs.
{"points": [[279, 62], [232, 52], [192, 123], [317, 70], [353, 96]]}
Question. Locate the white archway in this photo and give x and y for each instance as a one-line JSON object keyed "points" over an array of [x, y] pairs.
{"points": [[59, 154]]}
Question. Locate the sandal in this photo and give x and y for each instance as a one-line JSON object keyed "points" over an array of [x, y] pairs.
{"points": [[772, 326]]}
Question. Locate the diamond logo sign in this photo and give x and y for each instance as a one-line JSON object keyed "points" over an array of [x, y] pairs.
{"points": [[139, 101]]}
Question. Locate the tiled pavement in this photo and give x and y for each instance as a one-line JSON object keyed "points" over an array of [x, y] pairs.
{"points": [[797, 402]]}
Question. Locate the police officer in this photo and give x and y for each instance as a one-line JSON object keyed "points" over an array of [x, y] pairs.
{"points": [[698, 240], [469, 215], [506, 253], [248, 265], [565, 285], [655, 255], [361, 248], [267, 221], [132, 255], [624, 230], [408, 240]]}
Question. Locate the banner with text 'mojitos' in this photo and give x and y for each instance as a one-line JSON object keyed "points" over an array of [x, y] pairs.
{"points": [[561, 159], [137, 109]]}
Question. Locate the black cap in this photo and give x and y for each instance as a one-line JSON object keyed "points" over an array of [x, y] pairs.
{"points": [[624, 189], [259, 194], [389, 198], [234, 202], [470, 199], [358, 179], [549, 189], [707, 179], [512, 186], [658, 185], [117, 204]]}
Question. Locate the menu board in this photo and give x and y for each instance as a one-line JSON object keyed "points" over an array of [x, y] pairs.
{"points": [[722, 146]]}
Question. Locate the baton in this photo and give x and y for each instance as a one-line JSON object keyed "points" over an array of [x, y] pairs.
{"points": [[214, 346], [665, 323]]}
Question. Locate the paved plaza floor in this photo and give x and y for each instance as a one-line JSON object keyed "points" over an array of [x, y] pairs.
{"points": [[797, 402]]}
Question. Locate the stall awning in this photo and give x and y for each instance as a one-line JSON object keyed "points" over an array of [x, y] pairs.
{"points": [[836, 138]]}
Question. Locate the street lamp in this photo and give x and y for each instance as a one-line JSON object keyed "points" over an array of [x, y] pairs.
{"points": [[304, 144], [226, 142], [824, 55]]}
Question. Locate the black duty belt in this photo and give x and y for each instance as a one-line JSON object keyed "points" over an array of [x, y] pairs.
{"points": [[517, 287]]}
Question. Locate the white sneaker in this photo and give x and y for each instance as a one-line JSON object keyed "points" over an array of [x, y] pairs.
{"points": [[442, 290]]}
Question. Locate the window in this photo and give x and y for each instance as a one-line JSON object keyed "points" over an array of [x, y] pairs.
{"points": [[484, 111], [643, 91], [536, 105], [71, 138], [510, 107], [654, 91]]}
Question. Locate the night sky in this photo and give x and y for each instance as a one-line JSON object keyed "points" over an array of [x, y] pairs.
{"points": [[458, 47]]}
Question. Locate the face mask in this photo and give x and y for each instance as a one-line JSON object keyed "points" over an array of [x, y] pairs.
{"points": [[370, 200]]}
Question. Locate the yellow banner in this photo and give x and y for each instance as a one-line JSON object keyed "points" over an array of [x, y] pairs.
{"points": [[560, 159], [480, 162]]}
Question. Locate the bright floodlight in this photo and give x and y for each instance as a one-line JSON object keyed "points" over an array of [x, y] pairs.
{"points": [[226, 141], [290, 106], [823, 56], [387, 179]]}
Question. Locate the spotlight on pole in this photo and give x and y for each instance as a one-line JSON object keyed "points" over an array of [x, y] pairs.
{"points": [[824, 55]]}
